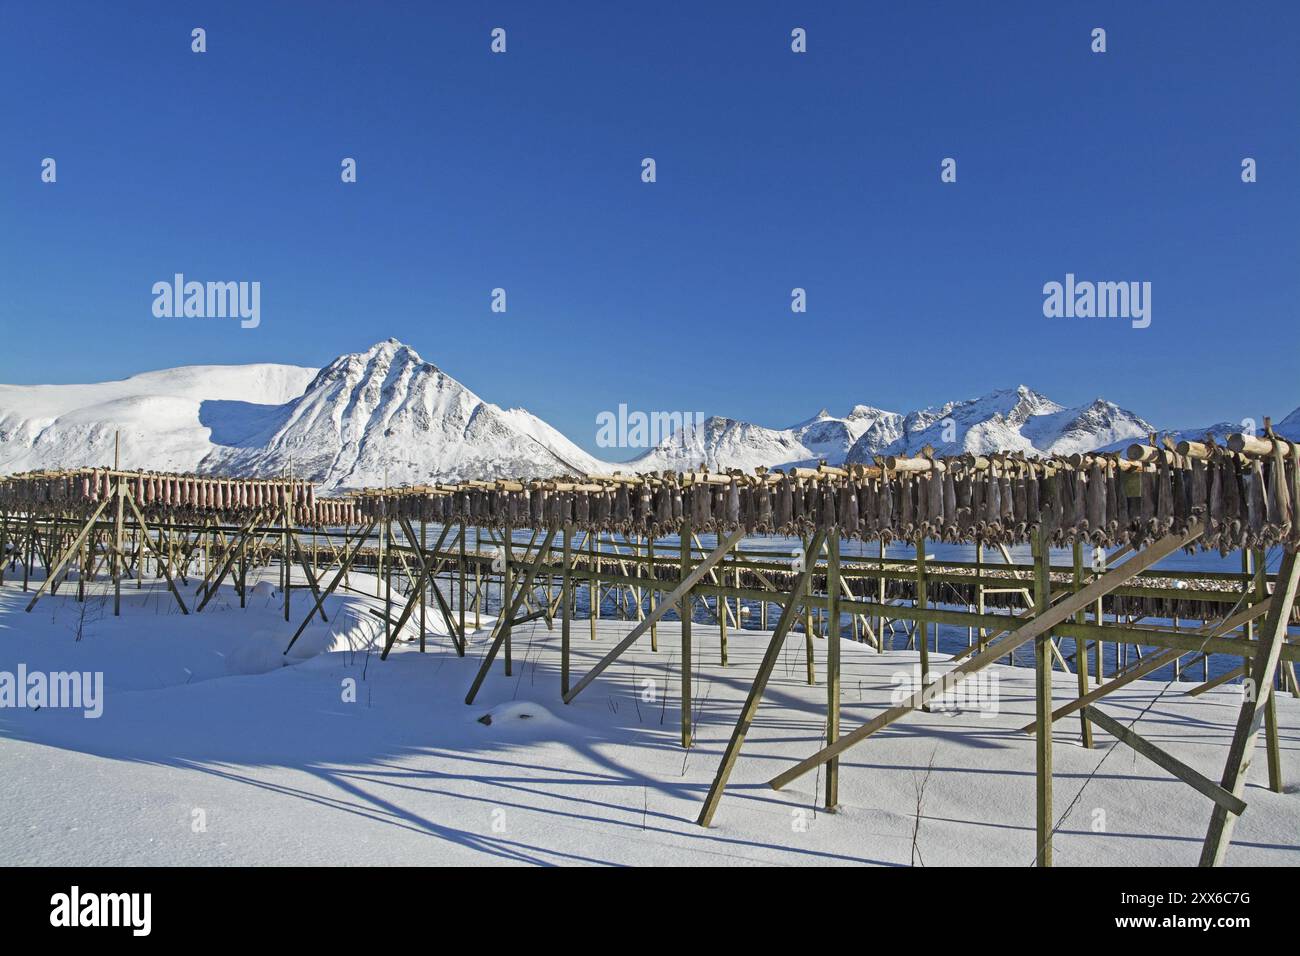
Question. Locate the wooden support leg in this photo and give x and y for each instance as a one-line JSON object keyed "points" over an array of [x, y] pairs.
{"points": [[507, 576], [832, 665], [721, 615], [424, 528], [117, 548], [1081, 649], [770, 657], [684, 611], [1257, 691], [348, 558], [1043, 706], [506, 621], [1025, 632], [566, 611], [808, 628], [699, 571], [72, 550]]}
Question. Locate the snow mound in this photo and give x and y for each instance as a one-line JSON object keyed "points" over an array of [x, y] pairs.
{"points": [[525, 715]]}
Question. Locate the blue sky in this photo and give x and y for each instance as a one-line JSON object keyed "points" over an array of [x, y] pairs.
{"points": [[775, 170]]}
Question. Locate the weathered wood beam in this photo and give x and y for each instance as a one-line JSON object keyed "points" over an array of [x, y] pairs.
{"points": [[699, 571], [1253, 708], [1166, 761], [789, 612], [1031, 629]]}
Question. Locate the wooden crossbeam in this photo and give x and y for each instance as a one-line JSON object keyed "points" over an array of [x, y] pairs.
{"points": [[1219, 681], [1166, 761], [1040, 624], [1153, 663]]}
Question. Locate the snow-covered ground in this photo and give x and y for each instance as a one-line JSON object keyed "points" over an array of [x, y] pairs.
{"points": [[213, 748]]}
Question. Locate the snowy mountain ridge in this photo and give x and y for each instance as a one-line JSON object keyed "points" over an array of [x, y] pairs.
{"points": [[385, 416]]}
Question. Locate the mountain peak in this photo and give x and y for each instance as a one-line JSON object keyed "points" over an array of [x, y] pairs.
{"points": [[392, 348]]}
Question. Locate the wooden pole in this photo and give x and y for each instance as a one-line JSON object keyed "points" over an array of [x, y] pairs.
{"points": [[833, 665], [788, 614], [507, 589], [1043, 703], [566, 610], [810, 662], [1081, 649], [684, 611], [699, 571], [923, 602], [593, 584], [464, 570], [1023, 633], [117, 547], [650, 558], [722, 616], [424, 558]]}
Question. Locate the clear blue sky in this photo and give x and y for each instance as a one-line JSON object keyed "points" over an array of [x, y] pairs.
{"points": [[775, 170]]}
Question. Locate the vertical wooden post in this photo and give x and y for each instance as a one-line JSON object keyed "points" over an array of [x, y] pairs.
{"points": [[654, 627], [880, 597], [117, 547], [424, 559], [389, 636], [1043, 704], [833, 665], [379, 569], [721, 606], [566, 611], [478, 575], [1272, 748], [24, 556], [922, 602], [593, 585], [464, 570], [507, 592], [286, 499], [1081, 647], [979, 591], [84, 559], [807, 614], [685, 612]]}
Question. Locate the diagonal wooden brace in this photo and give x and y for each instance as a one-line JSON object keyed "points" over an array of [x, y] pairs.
{"points": [[668, 603], [1041, 624]]}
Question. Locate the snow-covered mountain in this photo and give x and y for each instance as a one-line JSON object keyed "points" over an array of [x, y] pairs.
{"points": [[386, 416], [158, 416], [379, 414], [728, 443], [1013, 419]]}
